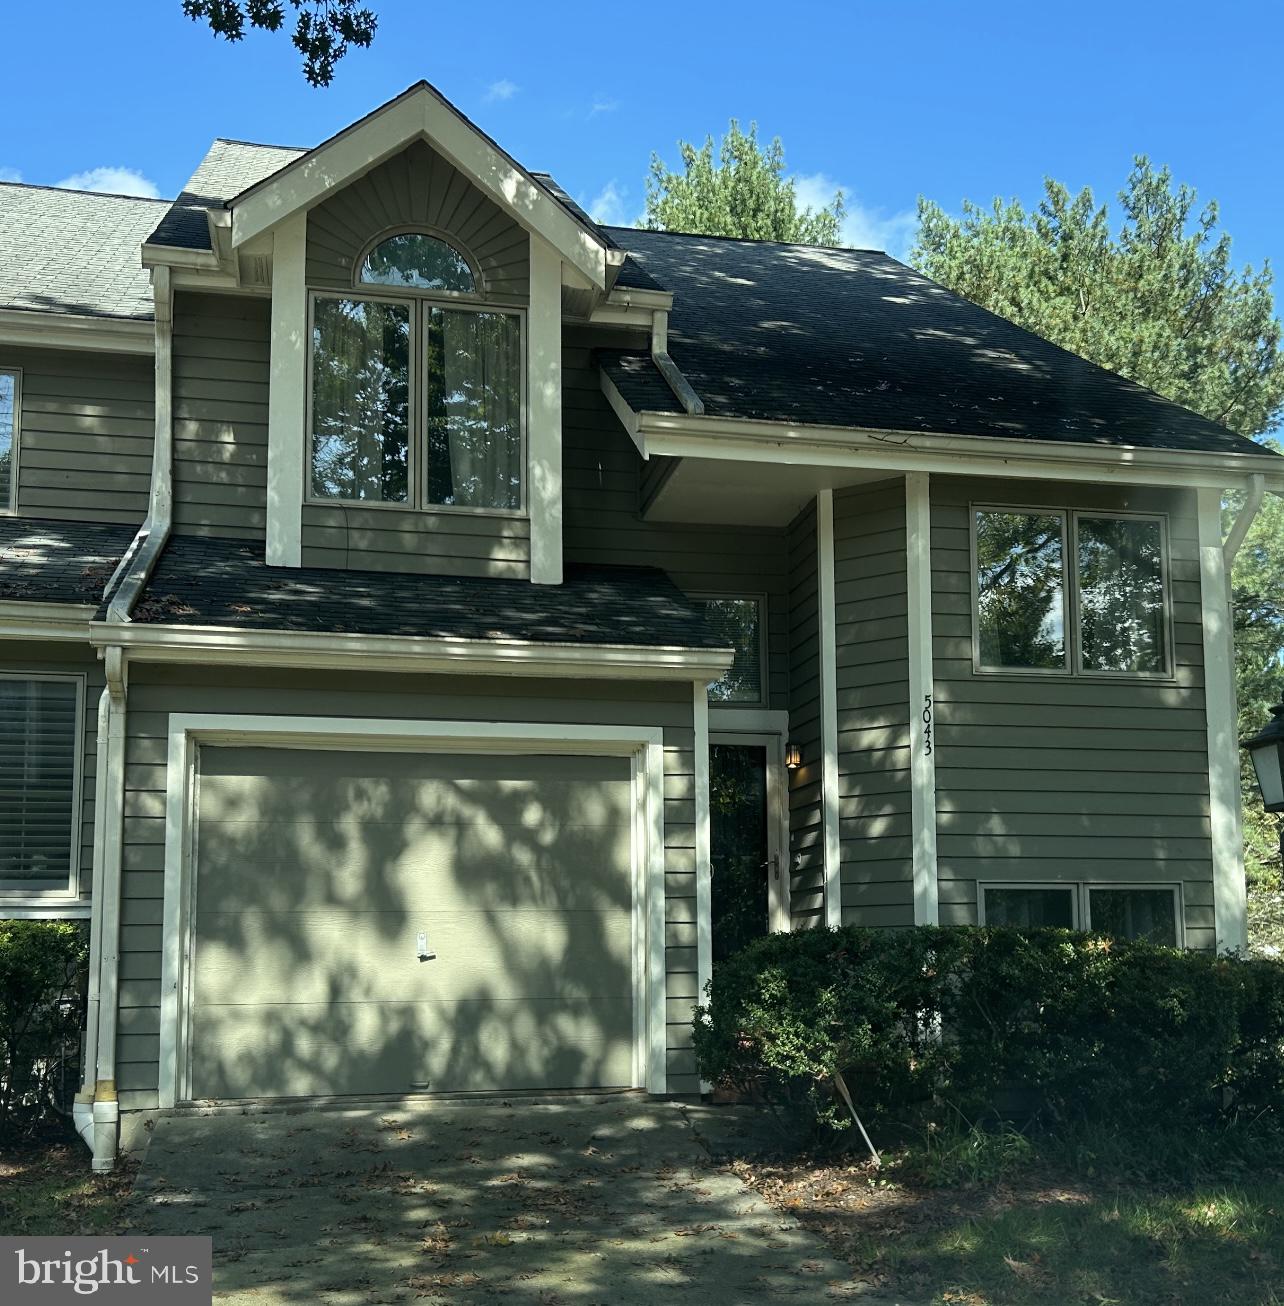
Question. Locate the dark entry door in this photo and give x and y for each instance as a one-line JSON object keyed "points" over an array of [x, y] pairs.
{"points": [[739, 845]]}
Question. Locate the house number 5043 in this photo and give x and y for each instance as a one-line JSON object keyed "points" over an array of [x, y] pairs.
{"points": [[927, 725]]}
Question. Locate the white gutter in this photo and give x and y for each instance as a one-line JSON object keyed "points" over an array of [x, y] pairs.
{"points": [[98, 1120], [115, 335]]}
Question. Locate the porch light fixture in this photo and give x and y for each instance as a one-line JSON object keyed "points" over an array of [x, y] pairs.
{"points": [[793, 756], [1267, 751]]}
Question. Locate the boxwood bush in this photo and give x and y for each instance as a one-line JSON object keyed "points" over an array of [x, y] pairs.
{"points": [[43, 968], [1073, 1028]]}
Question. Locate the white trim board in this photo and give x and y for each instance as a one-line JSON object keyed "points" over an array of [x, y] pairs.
{"points": [[918, 557], [1230, 902], [645, 745], [826, 602], [107, 335], [288, 393]]}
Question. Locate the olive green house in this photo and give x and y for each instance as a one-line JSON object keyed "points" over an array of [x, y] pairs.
{"points": [[436, 628]]}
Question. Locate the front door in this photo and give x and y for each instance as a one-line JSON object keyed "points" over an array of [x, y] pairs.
{"points": [[747, 892]]}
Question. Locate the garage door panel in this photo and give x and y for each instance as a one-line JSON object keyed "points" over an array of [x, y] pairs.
{"points": [[411, 865], [257, 957], [316, 871], [298, 1050]]}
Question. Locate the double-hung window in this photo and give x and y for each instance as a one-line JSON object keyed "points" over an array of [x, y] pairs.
{"points": [[10, 402], [418, 386], [1070, 592], [40, 760]]}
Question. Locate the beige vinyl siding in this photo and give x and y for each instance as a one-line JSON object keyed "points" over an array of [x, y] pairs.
{"points": [[221, 365], [806, 832], [1068, 778], [350, 536], [20, 656], [602, 474], [85, 437], [417, 188], [157, 691], [873, 704]]}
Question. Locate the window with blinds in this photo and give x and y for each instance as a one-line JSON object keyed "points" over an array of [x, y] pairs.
{"points": [[39, 766], [739, 622]]}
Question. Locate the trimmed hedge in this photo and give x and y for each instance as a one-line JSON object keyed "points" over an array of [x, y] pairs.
{"points": [[1079, 1028], [43, 970]]}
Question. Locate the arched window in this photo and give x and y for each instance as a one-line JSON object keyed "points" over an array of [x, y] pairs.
{"points": [[414, 260]]}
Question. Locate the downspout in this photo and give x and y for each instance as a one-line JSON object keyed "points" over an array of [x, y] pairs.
{"points": [[691, 402], [97, 1113]]}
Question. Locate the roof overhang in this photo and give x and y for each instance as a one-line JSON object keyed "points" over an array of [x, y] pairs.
{"points": [[402, 653], [679, 435], [420, 113], [32, 619], [114, 335]]}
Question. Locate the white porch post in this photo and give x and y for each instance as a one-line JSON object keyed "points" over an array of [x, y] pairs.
{"points": [[833, 849], [918, 561], [544, 413], [287, 394], [703, 851], [1230, 908]]}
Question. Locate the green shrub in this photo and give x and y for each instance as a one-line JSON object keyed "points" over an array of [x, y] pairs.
{"points": [[1074, 1029], [43, 967]]}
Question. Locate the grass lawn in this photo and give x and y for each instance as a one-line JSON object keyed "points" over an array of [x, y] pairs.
{"points": [[46, 1188], [1033, 1237]]}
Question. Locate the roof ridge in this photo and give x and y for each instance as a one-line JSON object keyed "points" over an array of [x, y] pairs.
{"points": [[261, 145], [98, 194], [751, 240]]}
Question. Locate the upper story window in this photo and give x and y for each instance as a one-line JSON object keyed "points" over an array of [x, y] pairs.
{"points": [[1070, 591], [416, 401], [40, 733], [10, 386], [739, 621]]}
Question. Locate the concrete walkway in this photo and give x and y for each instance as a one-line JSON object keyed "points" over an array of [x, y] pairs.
{"points": [[614, 1202]]}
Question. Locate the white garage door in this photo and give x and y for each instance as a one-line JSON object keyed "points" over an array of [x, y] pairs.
{"points": [[321, 876]]}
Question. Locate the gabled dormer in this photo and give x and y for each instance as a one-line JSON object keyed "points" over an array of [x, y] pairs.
{"points": [[417, 276]]}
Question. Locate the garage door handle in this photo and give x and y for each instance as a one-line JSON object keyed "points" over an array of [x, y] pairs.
{"points": [[421, 947]]}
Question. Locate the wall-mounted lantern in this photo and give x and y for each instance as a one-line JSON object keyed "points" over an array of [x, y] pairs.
{"points": [[793, 756], [1267, 751]]}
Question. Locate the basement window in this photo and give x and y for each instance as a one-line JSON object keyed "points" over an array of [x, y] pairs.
{"points": [[1149, 912], [41, 722]]}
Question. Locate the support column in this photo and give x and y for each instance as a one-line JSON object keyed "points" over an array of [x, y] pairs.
{"points": [[703, 850], [1230, 904], [833, 849], [918, 565]]}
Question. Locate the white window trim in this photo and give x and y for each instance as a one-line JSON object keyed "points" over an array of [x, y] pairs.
{"points": [[9, 506], [1080, 897], [1072, 668], [416, 461], [643, 745], [764, 671], [56, 901]]}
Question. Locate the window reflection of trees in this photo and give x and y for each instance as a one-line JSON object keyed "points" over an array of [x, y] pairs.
{"points": [[1020, 574]]}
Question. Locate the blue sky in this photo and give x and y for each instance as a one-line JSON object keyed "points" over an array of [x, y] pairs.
{"points": [[887, 100]]}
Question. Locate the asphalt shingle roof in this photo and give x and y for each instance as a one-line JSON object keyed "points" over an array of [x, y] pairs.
{"points": [[213, 582], [56, 561], [72, 251], [835, 337], [226, 170]]}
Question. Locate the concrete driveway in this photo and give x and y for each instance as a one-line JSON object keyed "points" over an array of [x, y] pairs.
{"points": [[615, 1202]]}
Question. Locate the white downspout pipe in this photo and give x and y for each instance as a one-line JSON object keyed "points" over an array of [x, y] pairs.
{"points": [[691, 402], [98, 1116]]}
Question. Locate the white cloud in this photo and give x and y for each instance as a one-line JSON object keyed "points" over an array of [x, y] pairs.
{"points": [[609, 205], [603, 105], [863, 227], [115, 181], [501, 90], [10, 174]]}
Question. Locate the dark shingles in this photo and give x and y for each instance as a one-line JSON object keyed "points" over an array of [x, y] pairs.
{"points": [[212, 582], [58, 562], [795, 333], [74, 252]]}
